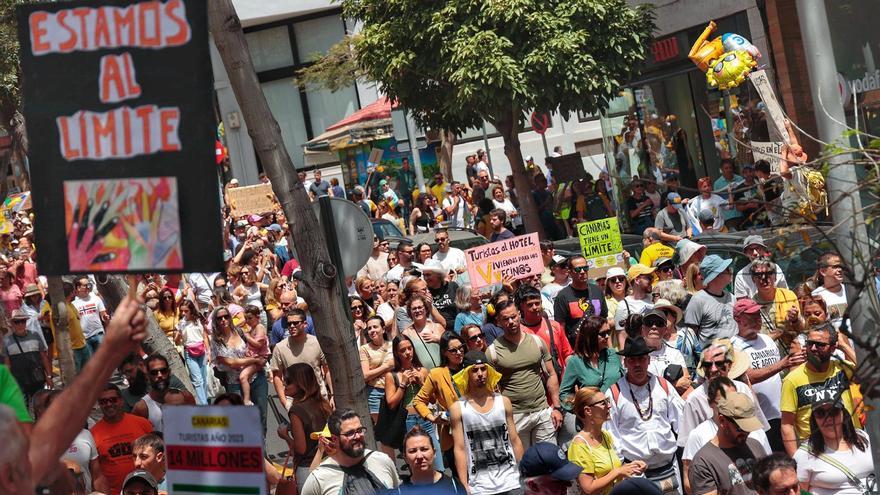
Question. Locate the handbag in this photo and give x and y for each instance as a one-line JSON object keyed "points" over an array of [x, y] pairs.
{"points": [[868, 488], [391, 426], [287, 484], [196, 350]]}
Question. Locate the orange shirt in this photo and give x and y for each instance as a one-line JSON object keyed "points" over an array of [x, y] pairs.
{"points": [[563, 347], [114, 446]]}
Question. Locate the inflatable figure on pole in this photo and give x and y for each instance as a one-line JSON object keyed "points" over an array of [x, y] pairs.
{"points": [[726, 60]]}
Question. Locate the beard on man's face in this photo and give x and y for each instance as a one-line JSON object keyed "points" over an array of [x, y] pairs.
{"points": [[138, 386]]}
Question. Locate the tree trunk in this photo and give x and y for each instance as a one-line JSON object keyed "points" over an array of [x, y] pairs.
{"points": [[509, 127], [444, 157], [319, 286], [114, 289], [62, 333]]}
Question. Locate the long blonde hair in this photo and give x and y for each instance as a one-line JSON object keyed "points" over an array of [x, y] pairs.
{"points": [[691, 278]]}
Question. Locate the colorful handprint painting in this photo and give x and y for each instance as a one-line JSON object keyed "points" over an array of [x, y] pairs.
{"points": [[122, 225]]}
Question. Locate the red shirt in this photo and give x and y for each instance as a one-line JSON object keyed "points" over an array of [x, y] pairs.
{"points": [[563, 348], [114, 446]]}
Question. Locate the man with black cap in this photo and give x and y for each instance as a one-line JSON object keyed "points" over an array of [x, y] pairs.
{"points": [[671, 220], [546, 471], [754, 248], [140, 482], [645, 415], [487, 446], [724, 465]]}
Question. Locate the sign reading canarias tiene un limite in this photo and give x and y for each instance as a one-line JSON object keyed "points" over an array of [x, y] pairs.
{"points": [[517, 257], [600, 241]]}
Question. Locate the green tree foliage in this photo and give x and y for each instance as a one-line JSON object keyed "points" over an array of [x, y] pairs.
{"points": [[456, 62], [10, 94], [337, 69]]}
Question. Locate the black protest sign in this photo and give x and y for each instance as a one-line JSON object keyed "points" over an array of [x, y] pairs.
{"points": [[118, 105], [567, 168]]}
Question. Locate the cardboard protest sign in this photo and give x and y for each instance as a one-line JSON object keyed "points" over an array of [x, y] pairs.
{"points": [[518, 257], [769, 151], [251, 200], [214, 449], [567, 168], [117, 97], [601, 243], [774, 110]]}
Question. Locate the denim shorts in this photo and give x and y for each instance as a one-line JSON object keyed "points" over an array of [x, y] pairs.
{"points": [[375, 398]]}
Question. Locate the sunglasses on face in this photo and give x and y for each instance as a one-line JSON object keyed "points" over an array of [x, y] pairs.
{"points": [[606, 402], [580, 269], [222, 317], [816, 344], [476, 337], [667, 269], [295, 322], [456, 350], [708, 365], [108, 401], [763, 275], [616, 280], [158, 371], [605, 334], [826, 412]]}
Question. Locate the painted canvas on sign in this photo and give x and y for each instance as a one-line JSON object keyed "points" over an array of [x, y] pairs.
{"points": [[122, 225]]}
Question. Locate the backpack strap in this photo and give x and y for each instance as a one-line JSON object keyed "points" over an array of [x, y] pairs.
{"points": [[615, 392], [554, 355], [664, 384]]}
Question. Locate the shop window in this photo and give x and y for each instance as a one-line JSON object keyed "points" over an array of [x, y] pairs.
{"points": [[270, 48], [283, 98], [316, 36]]}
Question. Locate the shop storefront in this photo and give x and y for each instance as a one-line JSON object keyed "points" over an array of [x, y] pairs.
{"points": [[670, 120]]}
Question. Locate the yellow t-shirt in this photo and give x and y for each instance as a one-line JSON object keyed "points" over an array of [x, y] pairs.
{"points": [[803, 387], [77, 338], [783, 300], [168, 323], [597, 461], [654, 252]]}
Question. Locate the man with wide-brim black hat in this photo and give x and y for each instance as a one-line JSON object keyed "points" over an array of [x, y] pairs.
{"points": [[644, 416]]}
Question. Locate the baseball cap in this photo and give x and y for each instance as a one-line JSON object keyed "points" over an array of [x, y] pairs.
{"points": [[241, 223], [637, 270], [748, 165], [557, 260], [674, 199], [670, 176], [753, 240], [274, 227], [530, 158], [654, 313], [745, 305], [740, 408], [234, 182], [383, 182], [545, 458], [474, 357], [141, 475], [712, 266]]}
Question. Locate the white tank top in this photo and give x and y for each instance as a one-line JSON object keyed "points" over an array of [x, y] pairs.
{"points": [[253, 296], [491, 464], [154, 411]]}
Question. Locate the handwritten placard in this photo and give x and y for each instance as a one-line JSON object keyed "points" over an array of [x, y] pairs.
{"points": [[517, 257], [601, 243], [768, 151], [252, 200]]}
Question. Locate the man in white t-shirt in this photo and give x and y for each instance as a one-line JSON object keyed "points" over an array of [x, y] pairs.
{"points": [[347, 432], [653, 325], [202, 285], [754, 248], [451, 258], [92, 313], [765, 373], [455, 206]]}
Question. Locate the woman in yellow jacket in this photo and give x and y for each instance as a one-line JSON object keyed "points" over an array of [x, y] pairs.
{"points": [[438, 393]]}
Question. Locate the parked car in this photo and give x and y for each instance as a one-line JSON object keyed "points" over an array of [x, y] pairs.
{"points": [[383, 228]]}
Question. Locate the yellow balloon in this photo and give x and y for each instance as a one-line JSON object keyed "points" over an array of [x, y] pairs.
{"points": [[730, 69]]}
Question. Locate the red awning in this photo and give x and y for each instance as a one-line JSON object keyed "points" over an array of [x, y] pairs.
{"points": [[380, 109]]}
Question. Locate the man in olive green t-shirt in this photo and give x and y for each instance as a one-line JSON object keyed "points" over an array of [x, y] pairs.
{"points": [[522, 359]]}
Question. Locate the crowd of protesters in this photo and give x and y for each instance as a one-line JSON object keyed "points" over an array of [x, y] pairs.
{"points": [[668, 374]]}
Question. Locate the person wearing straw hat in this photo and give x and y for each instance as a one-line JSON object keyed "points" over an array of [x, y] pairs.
{"points": [[645, 415], [724, 465], [710, 311], [27, 355], [767, 365], [719, 359], [487, 446]]}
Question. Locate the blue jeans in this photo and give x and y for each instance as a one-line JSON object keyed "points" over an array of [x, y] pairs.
{"points": [[259, 394], [429, 428], [94, 341], [81, 357], [198, 374]]}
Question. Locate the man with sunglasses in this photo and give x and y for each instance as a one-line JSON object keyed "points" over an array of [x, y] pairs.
{"points": [[150, 406], [581, 298], [451, 258], [724, 465], [831, 288], [299, 347], [719, 359], [767, 365], [754, 249], [780, 311], [640, 301], [92, 313], [377, 264], [819, 378], [351, 468], [405, 255], [114, 435]]}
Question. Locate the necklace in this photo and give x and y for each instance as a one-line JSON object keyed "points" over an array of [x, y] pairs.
{"points": [[650, 411]]}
